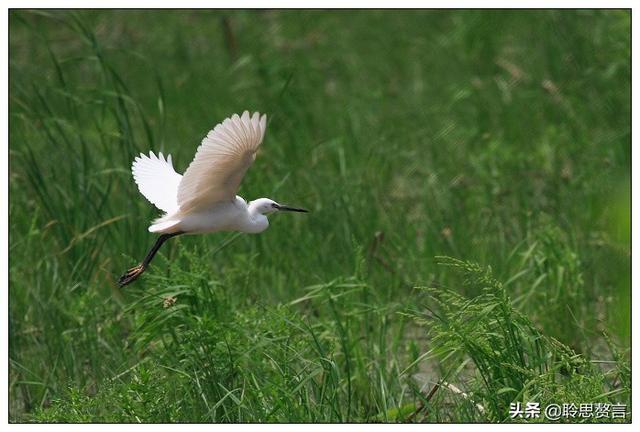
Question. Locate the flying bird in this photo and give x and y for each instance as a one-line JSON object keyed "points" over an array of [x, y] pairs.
{"points": [[204, 199]]}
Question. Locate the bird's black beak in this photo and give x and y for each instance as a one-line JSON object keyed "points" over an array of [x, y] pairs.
{"points": [[287, 208]]}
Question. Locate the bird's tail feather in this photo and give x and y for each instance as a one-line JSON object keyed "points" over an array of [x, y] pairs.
{"points": [[163, 225]]}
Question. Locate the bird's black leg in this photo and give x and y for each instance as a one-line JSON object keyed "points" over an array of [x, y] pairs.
{"points": [[135, 272]]}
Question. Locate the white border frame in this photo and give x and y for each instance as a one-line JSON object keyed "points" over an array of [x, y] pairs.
{"points": [[240, 4]]}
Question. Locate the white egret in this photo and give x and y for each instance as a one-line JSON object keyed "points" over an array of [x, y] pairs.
{"points": [[204, 199]]}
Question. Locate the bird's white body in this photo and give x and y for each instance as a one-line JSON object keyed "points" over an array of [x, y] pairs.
{"points": [[236, 215]]}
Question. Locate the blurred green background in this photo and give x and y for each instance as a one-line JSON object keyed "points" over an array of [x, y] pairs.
{"points": [[498, 137]]}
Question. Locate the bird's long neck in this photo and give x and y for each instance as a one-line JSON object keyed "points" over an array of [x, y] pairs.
{"points": [[257, 221], [252, 210], [254, 214]]}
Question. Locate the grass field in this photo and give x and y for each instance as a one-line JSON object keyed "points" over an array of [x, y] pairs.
{"points": [[468, 246]]}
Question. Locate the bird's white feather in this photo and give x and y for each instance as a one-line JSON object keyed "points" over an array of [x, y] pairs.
{"points": [[221, 161], [157, 180], [161, 226]]}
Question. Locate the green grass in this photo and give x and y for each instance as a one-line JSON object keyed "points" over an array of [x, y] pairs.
{"points": [[500, 138]]}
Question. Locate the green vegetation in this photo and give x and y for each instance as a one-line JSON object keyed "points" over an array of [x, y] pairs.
{"points": [[499, 138]]}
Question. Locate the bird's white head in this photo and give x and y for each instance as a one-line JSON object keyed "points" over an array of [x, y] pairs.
{"points": [[265, 206]]}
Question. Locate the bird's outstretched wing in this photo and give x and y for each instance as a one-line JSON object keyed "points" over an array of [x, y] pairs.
{"points": [[224, 156], [157, 180]]}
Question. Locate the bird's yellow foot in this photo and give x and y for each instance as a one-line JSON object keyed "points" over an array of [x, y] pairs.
{"points": [[131, 275]]}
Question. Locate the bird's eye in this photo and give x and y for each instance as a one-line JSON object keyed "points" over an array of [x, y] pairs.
{"points": [[274, 205]]}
